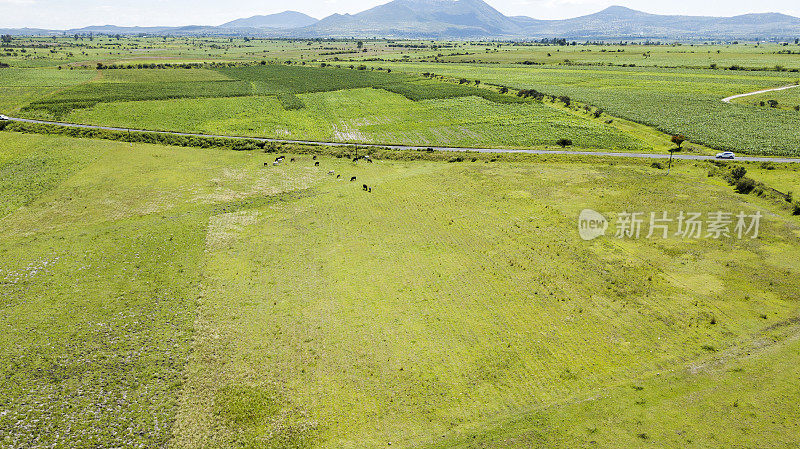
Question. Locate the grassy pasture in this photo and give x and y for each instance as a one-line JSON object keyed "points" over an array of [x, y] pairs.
{"points": [[406, 324], [158, 295]]}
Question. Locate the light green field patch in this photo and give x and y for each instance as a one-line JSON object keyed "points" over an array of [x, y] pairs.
{"points": [[160, 75], [14, 77], [704, 284]]}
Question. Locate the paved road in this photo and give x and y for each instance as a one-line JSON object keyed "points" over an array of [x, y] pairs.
{"points": [[410, 147], [728, 100]]}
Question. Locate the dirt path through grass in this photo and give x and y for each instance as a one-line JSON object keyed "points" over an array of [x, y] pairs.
{"points": [[734, 97]]}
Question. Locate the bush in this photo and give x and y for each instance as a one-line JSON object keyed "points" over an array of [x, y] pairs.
{"points": [[738, 172], [564, 142], [657, 165], [745, 186]]}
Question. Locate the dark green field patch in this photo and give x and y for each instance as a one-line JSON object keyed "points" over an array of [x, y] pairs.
{"points": [[272, 79], [434, 90], [283, 80]]}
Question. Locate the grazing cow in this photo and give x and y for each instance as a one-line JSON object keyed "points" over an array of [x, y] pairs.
{"points": [[315, 158], [364, 187], [279, 159], [292, 160], [338, 176], [352, 179], [331, 172], [316, 164], [369, 190], [276, 163], [266, 163]]}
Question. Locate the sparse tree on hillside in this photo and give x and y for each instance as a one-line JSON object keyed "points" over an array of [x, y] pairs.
{"points": [[678, 140]]}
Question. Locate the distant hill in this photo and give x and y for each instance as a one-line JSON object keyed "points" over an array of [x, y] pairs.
{"points": [[283, 20], [419, 18], [470, 19], [475, 19], [618, 22]]}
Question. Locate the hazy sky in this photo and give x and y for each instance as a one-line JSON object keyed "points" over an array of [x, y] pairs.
{"points": [[63, 14]]}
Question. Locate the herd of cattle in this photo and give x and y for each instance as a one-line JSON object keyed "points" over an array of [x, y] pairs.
{"points": [[280, 159]]}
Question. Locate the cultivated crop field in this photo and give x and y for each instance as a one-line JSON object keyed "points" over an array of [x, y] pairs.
{"points": [[198, 298], [327, 104], [676, 101], [674, 89]]}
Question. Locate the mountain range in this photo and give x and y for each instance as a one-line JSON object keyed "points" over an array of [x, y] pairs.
{"points": [[475, 19]]}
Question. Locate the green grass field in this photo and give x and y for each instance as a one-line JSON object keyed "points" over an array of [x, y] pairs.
{"points": [[165, 296]]}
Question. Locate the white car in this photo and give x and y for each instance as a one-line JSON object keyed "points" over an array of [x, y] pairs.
{"points": [[725, 155], [3, 117]]}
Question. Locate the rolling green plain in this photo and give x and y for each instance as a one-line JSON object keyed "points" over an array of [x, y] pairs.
{"points": [[195, 298], [173, 297]]}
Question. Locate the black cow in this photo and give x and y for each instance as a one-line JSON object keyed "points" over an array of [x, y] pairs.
{"points": [[364, 187], [316, 164], [352, 179]]}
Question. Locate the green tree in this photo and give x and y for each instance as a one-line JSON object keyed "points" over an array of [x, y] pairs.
{"points": [[564, 142], [678, 140]]}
